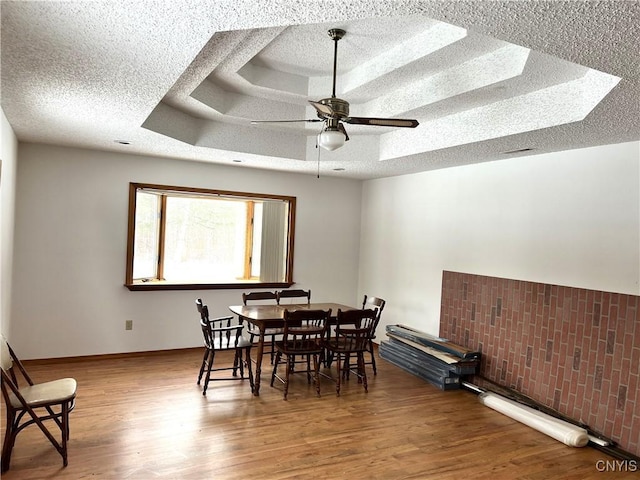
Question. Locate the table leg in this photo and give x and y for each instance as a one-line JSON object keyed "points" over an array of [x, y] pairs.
{"points": [[247, 356], [256, 381]]}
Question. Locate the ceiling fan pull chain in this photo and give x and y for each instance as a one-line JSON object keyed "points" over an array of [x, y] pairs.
{"points": [[321, 129]]}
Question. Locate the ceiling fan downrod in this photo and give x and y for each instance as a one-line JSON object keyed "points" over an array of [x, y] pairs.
{"points": [[336, 34]]}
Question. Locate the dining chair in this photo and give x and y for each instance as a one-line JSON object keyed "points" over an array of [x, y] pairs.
{"points": [[351, 337], [252, 330], [33, 403], [220, 334], [303, 335], [377, 305], [294, 293]]}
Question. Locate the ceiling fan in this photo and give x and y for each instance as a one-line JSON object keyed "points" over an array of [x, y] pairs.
{"points": [[334, 111]]}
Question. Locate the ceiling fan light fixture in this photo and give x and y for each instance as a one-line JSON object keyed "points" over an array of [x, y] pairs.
{"points": [[331, 139]]}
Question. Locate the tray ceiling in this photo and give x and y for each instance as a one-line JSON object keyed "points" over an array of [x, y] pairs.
{"points": [[486, 80]]}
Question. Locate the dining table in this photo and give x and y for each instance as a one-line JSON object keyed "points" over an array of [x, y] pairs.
{"points": [[272, 316]]}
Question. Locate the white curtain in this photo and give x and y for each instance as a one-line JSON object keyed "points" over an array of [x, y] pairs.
{"points": [[273, 246]]}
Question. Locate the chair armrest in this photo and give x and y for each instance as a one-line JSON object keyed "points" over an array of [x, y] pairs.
{"points": [[230, 328]]}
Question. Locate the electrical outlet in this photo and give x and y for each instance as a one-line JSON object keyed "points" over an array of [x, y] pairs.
{"points": [[128, 325]]}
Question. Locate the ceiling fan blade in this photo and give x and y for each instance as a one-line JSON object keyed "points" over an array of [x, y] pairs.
{"points": [[254, 122], [344, 131], [382, 122], [322, 108]]}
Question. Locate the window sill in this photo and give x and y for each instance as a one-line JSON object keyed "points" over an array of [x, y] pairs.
{"points": [[150, 286]]}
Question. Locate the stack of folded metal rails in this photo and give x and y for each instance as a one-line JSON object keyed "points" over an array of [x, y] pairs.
{"points": [[433, 359]]}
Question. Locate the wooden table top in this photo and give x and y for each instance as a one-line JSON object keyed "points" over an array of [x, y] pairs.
{"points": [[276, 312]]}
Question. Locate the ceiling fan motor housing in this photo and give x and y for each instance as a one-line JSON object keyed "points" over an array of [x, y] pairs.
{"points": [[340, 107]]}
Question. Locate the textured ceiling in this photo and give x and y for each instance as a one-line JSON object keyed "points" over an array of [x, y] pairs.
{"points": [[184, 79]]}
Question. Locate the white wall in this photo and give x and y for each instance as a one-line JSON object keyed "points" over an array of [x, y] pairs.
{"points": [[568, 218], [8, 157], [70, 247]]}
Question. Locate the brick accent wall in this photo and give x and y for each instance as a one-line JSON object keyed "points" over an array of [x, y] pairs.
{"points": [[571, 349]]}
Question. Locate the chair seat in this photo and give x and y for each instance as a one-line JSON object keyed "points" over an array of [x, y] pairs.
{"points": [[300, 347], [230, 343], [267, 331], [45, 393], [345, 346]]}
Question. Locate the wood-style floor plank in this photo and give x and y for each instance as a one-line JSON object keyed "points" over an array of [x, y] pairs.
{"points": [[142, 416]]}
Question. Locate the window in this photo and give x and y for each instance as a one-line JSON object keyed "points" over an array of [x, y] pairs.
{"points": [[191, 238]]}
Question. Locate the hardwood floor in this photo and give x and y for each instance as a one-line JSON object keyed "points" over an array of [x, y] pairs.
{"points": [[142, 417]]}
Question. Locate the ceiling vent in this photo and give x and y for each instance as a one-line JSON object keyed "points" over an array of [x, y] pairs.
{"points": [[521, 150]]}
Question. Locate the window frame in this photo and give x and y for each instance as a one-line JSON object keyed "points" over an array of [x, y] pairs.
{"points": [[158, 285]]}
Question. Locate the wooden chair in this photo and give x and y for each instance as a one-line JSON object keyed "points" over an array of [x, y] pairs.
{"points": [[351, 337], [221, 335], [262, 297], [376, 304], [199, 305], [259, 296], [294, 293], [33, 403], [303, 336]]}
